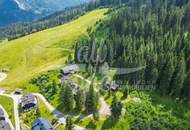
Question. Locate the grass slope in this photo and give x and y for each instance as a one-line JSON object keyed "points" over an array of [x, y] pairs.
{"points": [[48, 49], [7, 104]]}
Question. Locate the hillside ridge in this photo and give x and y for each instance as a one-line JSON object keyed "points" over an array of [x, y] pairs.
{"points": [[44, 50]]}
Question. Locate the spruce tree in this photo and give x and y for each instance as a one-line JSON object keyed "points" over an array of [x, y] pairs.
{"points": [[151, 72], [70, 59], [186, 88], [166, 75], [179, 76], [68, 98], [116, 107], [69, 125], [96, 116], [91, 99], [54, 87], [80, 100], [125, 92], [76, 53]]}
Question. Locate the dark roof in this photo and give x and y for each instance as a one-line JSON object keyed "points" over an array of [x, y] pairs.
{"points": [[4, 125], [26, 96], [17, 92], [70, 69], [27, 99], [111, 85], [41, 123]]}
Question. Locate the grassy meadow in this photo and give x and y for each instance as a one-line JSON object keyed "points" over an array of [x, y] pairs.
{"points": [[45, 50]]}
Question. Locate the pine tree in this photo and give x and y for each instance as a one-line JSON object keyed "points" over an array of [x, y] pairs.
{"points": [[68, 98], [80, 100], [151, 72], [69, 125], [96, 116], [186, 88], [38, 113], [178, 76], [76, 53], [91, 100], [125, 92], [70, 59], [54, 87], [116, 107], [166, 75], [110, 53]]}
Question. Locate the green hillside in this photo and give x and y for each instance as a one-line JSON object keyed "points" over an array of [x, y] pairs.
{"points": [[38, 52]]}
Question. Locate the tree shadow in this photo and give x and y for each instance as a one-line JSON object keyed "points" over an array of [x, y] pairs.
{"points": [[60, 105], [107, 97], [109, 123], [124, 97], [78, 120], [91, 125]]}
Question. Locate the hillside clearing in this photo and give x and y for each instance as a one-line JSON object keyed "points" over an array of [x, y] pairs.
{"points": [[48, 49]]}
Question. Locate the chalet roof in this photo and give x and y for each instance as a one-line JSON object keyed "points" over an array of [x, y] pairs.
{"points": [[112, 84], [27, 99], [4, 125], [70, 68], [18, 91], [41, 123], [28, 96]]}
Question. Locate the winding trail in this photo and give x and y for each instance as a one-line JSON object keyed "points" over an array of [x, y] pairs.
{"points": [[57, 113], [105, 109], [7, 117], [16, 99]]}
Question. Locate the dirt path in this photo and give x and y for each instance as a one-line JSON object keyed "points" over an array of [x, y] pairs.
{"points": [[57, 113], [16, 99], [105, 109]]}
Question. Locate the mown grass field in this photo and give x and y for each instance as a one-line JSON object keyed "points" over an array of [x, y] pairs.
{"points": [[30, 55]]}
